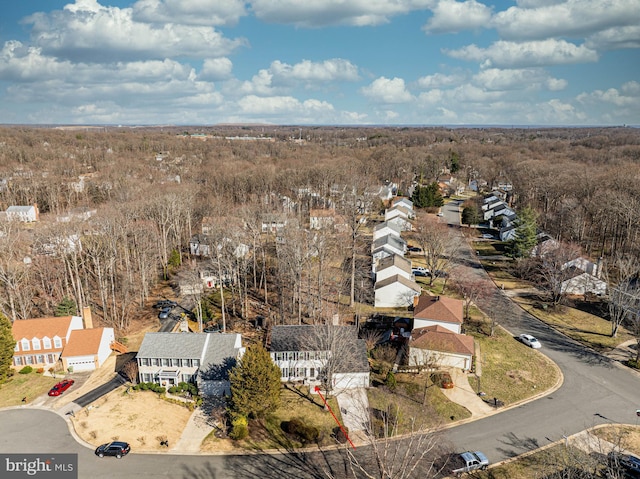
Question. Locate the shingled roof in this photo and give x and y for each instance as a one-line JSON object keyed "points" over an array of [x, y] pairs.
{"points": [[438, 338], [439, 308]]}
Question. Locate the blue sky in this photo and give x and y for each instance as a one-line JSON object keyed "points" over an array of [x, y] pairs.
{"points": [[348, 62]]}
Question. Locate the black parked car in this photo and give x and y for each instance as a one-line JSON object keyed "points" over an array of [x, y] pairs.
{"points": [[115, 448]]}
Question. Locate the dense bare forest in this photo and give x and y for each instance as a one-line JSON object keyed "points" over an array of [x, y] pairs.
{"points": [[118, 206]]}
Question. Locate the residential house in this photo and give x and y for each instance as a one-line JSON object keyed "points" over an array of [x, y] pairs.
{"points": [[385, 228], [396, 292], [25, 214], [299, 353], [400, 216], [202, 245], [204, 359], [87, 349], [581, 282], [583, 264], [546, 244], [438, 311], [388, 245], [273, 223], [437, 347], [402, 201], [393, 265], [508, 233], [81, 213], [40, 342]]}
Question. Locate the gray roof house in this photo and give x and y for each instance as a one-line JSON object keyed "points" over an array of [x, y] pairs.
{"points": [[303, 353], [204, 359], [392, 243]]}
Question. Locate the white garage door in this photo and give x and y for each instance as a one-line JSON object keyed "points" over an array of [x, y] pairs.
{"points": [[81, 364]]}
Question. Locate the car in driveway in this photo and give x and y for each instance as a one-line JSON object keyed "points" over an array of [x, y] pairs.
{"points": [[530, 341], [61, 387], [166, 303], [420, 272], [164, 312], [115, 449]]}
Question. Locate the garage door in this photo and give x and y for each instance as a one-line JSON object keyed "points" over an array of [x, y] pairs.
{"points": [[81, 364]]}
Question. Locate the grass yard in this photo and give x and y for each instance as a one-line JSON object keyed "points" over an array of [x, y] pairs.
{"points": [[409, 396], [540, 464], [586, 328], [20, 386], [510, 371], [627, 437]]}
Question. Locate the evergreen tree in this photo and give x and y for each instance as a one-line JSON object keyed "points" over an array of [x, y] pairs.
{"points": [[255, 384], [7, 344], [470, 215], [454, 161], [526, 230], [66, 307], [427, 196]]}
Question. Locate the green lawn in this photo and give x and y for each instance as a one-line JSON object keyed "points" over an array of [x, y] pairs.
{"points": [[20, 386]]}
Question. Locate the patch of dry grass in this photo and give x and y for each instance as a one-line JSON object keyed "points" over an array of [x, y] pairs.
{"points": [[29, 385], [139, 418], [511, 371], [627, 437]]}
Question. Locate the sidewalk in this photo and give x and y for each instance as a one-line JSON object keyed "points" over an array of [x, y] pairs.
{"points": [[196, 430]]}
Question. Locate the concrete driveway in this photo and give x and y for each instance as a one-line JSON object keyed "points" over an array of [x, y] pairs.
{"points": [[354, 407]]}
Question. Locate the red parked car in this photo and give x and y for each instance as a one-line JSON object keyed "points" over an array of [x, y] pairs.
{"points": [[61, 387]]}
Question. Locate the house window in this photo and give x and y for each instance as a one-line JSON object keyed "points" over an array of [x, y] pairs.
{"points": [[155, 362], [46, 343], [187, 378], [185, 363], [312, 372], [36, 343], [285, 372], [40, 358], [175, 363], [144, 361], [17, 347], [57, 342], [29, 359], [196, 363], [17, 360], [51, 358], [25, 345]]}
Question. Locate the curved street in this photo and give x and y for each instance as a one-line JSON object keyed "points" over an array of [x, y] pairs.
{"points": [[595, 390]]}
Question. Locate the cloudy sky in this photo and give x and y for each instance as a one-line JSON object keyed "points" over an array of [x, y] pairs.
{"points": [[414, 62]]}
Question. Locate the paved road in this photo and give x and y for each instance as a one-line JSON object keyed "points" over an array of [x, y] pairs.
{"points": [[596, 390]]}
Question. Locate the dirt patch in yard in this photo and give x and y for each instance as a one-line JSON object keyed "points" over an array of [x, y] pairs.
{"points": [[140, 418]]}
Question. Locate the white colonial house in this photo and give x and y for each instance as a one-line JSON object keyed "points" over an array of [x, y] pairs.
{"points": [[25, 214], [204, 359], [300, 354], [390, 243]]}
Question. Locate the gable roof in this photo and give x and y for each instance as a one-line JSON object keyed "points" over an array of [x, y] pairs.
{"points": [[438, 338], [390, 240], [172, 345], [394, 260], [439, 308], [41, 327], [293, 337], [83, 342], [387, 224], [396, 278]]}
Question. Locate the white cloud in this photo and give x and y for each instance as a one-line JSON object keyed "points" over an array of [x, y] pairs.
{"points": [[385, 90], [573, 18], [319, 13], [282, 105], [216, 69], [615, 38], [503, 54], [628, 96], [21, 63], [450, 16], [87, 31], [192, 12], [439, 80], [335, 69], [517, 79]]}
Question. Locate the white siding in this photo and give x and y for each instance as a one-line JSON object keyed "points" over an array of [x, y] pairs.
{"points": [[423, 323]]}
